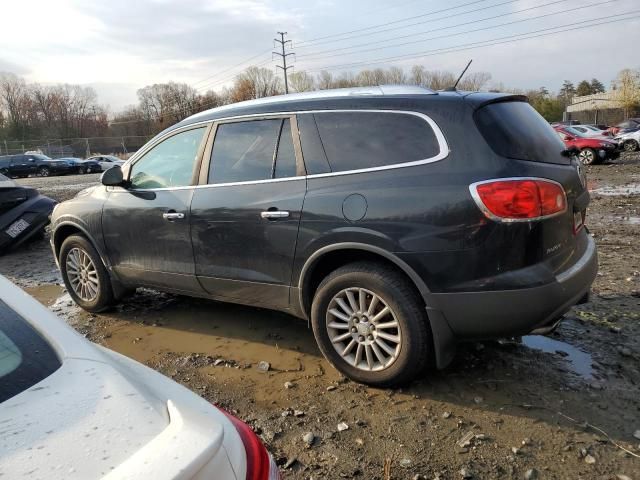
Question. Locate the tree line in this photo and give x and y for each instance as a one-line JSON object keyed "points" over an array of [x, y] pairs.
{"points": [[34, 111]]}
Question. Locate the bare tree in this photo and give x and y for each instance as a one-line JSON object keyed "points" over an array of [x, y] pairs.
{"points": [[325, 80], [474, 81], [302, 82], [626, 88], [15, 98], [256, 82], [395, 75]]}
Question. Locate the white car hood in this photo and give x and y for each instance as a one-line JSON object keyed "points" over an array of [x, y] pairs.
{"points": [[104, 415]]}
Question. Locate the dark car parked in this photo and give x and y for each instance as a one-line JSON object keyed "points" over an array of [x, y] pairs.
{"points": [[396, 219], [23, 165], [23, 213], [81, 166]]}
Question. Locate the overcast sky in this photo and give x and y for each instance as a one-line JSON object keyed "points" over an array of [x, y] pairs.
{"points": [[118, 46]]}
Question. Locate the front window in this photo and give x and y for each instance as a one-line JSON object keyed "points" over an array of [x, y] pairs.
{"points": [[170, 163], [25, 357]]}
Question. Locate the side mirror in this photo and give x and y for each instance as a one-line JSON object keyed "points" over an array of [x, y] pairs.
{"points": [[112, 177]]}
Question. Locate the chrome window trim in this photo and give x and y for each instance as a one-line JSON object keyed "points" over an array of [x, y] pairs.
{"points": [[487, 213], [440, 138]]}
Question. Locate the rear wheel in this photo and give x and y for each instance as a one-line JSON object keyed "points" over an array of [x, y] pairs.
{"points": [[81, 170], [44, 172], [84, 274], [588, 156], [371, 325], [630, 145]]}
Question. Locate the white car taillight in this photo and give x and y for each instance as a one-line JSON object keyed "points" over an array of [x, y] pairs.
{"points": [[260, 465]]}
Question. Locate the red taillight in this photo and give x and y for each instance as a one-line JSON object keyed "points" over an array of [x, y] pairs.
{"points": [[260, 466], [519, 199]]}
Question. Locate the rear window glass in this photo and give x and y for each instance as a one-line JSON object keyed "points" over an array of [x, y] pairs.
{"points": [[25, 357], [357, 140], [516, 130]]}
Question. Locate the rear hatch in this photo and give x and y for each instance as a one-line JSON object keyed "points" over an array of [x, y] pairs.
{"points": [[516, 132]]}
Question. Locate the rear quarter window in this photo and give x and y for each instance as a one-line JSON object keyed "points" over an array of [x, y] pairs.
{"points": [[514, 129], [25, 357], [359, 140]]}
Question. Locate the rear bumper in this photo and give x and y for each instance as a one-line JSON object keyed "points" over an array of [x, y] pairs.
{"points": [[491, 314]]}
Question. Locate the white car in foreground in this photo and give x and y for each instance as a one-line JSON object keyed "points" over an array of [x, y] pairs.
{"points": [[107, 161], [630, 141], [71, 409]]}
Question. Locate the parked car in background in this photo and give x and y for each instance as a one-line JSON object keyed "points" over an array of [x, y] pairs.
{"points": [[630, 125], [107, 161], [23, 165], [82, 166], [566, 122], [23, 214], [630, 141], [589, 131], [70, 409], [590, 150], [398, 220]]}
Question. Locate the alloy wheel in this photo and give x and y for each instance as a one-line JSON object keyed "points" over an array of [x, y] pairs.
{"points": [[82, 274], [587, 157], [363, 329]]}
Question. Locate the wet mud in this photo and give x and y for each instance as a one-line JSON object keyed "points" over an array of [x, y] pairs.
{"points": [[565, 405]]}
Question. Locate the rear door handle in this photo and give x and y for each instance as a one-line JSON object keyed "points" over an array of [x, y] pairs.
{"points": [[272, 214], [173, 216]]}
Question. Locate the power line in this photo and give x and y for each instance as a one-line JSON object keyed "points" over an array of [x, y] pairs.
{"points": [[514, 22], [284, 56], [469, 46], [413, 35], [316, 40]]}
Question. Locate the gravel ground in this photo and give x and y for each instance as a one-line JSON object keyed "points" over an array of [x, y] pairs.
{"points": [[557, 407]]}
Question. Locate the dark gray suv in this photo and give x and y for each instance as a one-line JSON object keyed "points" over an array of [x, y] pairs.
{"points": [[396, 219]]}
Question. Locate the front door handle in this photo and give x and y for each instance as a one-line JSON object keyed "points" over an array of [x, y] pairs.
{"points": [[274, 214], [173, 216]]}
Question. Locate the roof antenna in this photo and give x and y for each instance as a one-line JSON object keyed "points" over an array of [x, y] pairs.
{"points": [[453, 89]]}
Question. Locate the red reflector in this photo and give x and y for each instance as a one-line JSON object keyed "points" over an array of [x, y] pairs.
{"points": [[519, 199], [259, 463]]}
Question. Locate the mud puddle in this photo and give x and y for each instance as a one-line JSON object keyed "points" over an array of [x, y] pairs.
{"points": [[581, 362]]}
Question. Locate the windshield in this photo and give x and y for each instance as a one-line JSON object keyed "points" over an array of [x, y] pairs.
{"points": [[25, 357], [514, 129]]}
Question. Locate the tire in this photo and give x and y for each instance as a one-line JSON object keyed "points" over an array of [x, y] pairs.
{"points": [[81, 170], [630, 146], [44, 172], [412, 337], [97, 294], [588, 156]]}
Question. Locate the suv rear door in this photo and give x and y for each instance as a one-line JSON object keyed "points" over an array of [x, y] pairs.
{"points": [[244, 221], [146, 225]]}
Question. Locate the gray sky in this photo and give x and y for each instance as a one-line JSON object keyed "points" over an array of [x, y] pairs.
{"points": [[118, 46]]}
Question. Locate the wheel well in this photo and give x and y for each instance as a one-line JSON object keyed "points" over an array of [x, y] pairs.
{"points": [[335, 259], [62, 233]]}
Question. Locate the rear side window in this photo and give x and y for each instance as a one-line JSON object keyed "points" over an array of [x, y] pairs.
{"points": [[252, 150], [25, 357], [357, 140], [516, 130]]}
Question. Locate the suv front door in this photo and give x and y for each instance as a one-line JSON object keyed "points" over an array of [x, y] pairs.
{"points": [[244, 222], [146, 225], [19, 166]]}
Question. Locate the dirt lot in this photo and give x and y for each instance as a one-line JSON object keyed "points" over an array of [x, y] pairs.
{"points": [[561, 407]]}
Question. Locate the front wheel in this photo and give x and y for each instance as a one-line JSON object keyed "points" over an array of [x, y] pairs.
{"points": [[370, 323], [630, 146], [588, 156], [84, 274], [81, 171], [44, 172]]}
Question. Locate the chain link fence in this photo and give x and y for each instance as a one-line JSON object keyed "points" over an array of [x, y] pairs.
{"points": [[122, 147]]}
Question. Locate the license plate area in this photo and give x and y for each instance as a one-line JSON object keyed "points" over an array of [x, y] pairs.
{"points": [[17, 227]]}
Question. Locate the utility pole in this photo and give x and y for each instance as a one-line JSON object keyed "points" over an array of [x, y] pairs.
{"points": [[284, 56]]}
